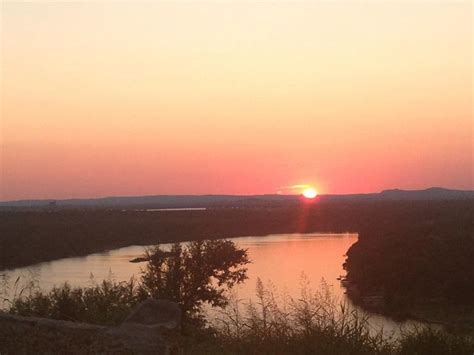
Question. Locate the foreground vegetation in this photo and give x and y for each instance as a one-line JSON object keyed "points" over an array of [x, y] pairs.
{"points": [[203, 273], [315, 323], [190, 275]]}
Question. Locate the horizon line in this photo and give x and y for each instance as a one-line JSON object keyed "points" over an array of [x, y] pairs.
{"points": [[236, 195]]}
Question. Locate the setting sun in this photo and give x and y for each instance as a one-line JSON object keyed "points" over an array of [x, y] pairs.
{"points": [[310, 192]]}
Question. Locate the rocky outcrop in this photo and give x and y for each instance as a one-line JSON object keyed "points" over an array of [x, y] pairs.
{"points": [[152, 328], [153, 313]]}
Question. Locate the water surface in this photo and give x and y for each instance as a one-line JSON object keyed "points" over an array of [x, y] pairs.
{"points": [[284, 260]]}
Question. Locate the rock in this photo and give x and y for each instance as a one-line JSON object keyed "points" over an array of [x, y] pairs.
{"points": [[156, 313], [150, 329]]}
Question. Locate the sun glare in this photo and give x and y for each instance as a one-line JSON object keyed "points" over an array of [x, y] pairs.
{"points": [[310, 192]]}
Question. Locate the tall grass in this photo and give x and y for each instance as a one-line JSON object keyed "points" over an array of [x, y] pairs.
{"points": [[314, 323], [107, 303], [22, 286]]}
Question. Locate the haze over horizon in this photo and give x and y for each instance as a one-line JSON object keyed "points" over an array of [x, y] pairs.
{"points": [[116, 99]]}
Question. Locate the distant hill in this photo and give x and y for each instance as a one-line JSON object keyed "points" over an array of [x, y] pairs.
{"points": [[432, 193], [151, 201], [163, 201]]}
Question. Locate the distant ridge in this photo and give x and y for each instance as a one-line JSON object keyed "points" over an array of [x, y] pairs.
{"points": [[147, 201], [433, 193], [428, 194]]}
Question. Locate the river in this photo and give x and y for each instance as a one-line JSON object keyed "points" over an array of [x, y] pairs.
{"points": [[284, 260]]}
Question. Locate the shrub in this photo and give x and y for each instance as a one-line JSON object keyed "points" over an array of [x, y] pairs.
{"points": [[106, 303], [191, 275]]}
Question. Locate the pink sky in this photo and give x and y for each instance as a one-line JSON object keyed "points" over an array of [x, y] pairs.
{"points": [[111, 98]]}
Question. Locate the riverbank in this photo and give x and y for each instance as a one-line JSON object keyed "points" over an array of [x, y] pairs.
{"points": [[457, 319], [422, 270], [30, 237], [407, 250]]}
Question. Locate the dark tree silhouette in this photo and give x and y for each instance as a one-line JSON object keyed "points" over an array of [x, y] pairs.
{"points": [[195, 273]]}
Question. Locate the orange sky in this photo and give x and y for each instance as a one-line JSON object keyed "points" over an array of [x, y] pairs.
{"points": [[111, 98]]}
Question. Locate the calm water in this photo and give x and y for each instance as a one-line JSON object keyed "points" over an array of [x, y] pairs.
{"points": [[171, 209], [280, 259]]}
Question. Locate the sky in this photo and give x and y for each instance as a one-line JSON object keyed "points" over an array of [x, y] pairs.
{"points": [[186, 97]]}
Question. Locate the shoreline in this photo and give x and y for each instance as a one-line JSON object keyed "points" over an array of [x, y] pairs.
{"points": [[440, 314]]}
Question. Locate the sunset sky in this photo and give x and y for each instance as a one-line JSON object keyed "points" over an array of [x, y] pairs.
{"points": [[178, 97]]}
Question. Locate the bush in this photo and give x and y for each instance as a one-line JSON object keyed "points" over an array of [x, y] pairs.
{"points": [[105, 303], [191, 275]]}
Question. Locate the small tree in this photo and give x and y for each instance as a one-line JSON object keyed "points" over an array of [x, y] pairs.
{"points": [[195, 273]]}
